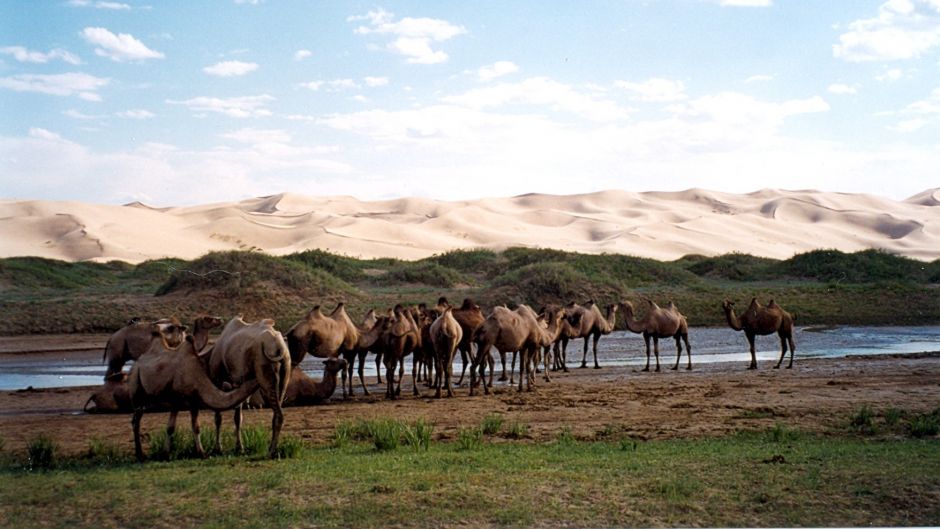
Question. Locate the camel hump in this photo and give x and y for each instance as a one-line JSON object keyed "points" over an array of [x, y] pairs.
{"points": [[268, 322], [467, 304], [442, 301], [772, 303]]}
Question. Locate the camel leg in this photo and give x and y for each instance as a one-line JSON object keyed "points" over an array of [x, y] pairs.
{"points": [[678, 352], [277, 421], [389, 378], [415, 368], [656, 351], [783, 350], [750, 340], [218, 432], [564, 354], [492, 365], [523, 367], [792, 350], [378, 367], [463, 365], [547, 353], [362, 377], [688, 350], [135, 424], [197, 439], [239, 448], [502, 359], [584, 354], [646, 339], [448, 372], [170, 433], [512, 367], [596, 338]]}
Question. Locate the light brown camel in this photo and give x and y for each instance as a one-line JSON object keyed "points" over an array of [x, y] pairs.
{"points": [[323, 336], [369, 333], [760, 320], [303, 390], [111, 397], [659, 323], [555, 322], [591, 325], [248, 351], [133, 340], [445, 335], [469, 316], [423, 359], [174, 378], [509, 331], [400, 337]]}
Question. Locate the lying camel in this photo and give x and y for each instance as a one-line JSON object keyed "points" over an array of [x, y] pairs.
{"points": [[174, 378], [760, 320], [445, 334], [591, 324], [322, 336], [252, 351], [133, 340], [112, 397], [303, 390], [660, 323], [509, 331], [469, 316]]}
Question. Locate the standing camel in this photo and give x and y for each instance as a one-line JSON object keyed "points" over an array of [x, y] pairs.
{"points": [[323, 336], [133, 340], [400, 337], [510, 331], [445, 335], [369, 333], [164, 376], [660, 323], [591, 324], [760, 320], [247, 351], [469, 316]]}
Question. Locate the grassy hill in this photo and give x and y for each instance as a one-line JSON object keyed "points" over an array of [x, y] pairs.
{"points": [[820, 287]]}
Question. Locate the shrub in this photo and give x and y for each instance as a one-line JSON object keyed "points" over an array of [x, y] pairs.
{"points": [[41, 453], [925, 425], [256, 440], [565, 437], [468, 261], [386, 434], [862, 421], [517, 430], [345, 268], [492, 423], [289, 447], [780, 433], [893, 416], [428, 273], [469, 438], [418, 435], [549, 282]]}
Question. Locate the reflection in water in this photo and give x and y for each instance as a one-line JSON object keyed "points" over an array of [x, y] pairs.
{"points": [[618, 349]]}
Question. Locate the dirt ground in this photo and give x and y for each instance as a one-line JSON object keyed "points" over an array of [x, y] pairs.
{"points": [[818, 395]]}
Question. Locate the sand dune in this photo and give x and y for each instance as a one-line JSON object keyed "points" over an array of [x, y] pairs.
{"points": [[661, 225]]}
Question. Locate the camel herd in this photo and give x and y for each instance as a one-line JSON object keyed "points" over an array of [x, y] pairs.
{"points": [[251, 363]]}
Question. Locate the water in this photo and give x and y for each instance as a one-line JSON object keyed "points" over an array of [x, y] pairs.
{"points": [[84, 368]]}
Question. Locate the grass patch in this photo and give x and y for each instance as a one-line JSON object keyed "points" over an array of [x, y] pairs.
{"points": [[925, 425], [492, 424], [469, 438], [418, 435], [517, 430], [863, 421], [41, 453]]}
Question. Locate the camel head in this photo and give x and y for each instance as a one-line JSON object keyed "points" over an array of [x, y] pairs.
{"points": [[209, 322], [442, 302], [727, 305], [468, 304], [172, 331], [133, 321], [334, 365]]}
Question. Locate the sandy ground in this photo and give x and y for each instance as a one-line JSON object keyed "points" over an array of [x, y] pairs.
{"points": [[817, 395]]}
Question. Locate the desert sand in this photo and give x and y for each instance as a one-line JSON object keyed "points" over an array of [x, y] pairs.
{"points": [[659, 225]]}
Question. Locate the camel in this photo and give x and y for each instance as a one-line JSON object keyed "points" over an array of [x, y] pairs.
{"points": [[133, 340], [400, 337], [164, 376], [369, 333], [424, 358], [248, 351], [112, 397], [303, 390], [469, 316], [591, 324], [760, 320], [323, 336], [560, 347], [556, 324], [445, 336], [660, 323], [510, 331]]}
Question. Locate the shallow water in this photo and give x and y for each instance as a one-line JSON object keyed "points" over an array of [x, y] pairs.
{"points": [[709, 345]]}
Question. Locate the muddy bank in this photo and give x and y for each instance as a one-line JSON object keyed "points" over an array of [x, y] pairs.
{"points": [[817, 395]]}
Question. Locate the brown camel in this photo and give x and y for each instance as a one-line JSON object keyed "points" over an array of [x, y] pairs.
{"points": [[369, 333], [133, 340], [469, 316], [555, 322], [591, 325], [252, 351], [660, 323], [323, 336], [509, 331], [445, 335], [760, 320], [423, 359], [111, 397], [303, 390], [174, 378], [400, 337]]}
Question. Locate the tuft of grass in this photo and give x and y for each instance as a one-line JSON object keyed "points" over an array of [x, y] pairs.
{"points": [[289, 447], [925, 425], [863, 420], [469, 438], [41, 453], [781, 434], [492, 424], [102, 452], [517, 430], [565, 437], [418, 435], [385, 434]]}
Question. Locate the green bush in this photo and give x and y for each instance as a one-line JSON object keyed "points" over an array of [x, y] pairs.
{"points": [[925, 425], [41, 453], [427, 273], [289, 447], [542, 283], [859, 267], [385, 434], [418, 435], [467, 261], [469, 438], [733, 266], [862, 420], [346, 268], [565, 437], [492, 423], [517, 430], [893, 416]]}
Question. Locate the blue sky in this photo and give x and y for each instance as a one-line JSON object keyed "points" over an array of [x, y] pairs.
{"points": [[192, 102]]}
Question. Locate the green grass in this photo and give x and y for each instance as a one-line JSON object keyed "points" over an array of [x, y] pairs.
{"points": [[41, 453], [739, 480], [492, 424]]}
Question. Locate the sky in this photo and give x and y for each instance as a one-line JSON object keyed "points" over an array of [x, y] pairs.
{"points": [[178, 102]]}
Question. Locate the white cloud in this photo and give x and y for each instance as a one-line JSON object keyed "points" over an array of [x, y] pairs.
{"points": [[137, 113], [928, 106], [746, 3], [300, 55], [75, 114], [842, 89], [114, 6], [312, 85], [759, 79], [890, 75], [64, 84], [542, 92], [230, 68], [249, 2], [497, 69], [412, 37], [236, 107], [655, 89], [909, 125], [254, 136], [22, 54], [903, 29], [376, 81], [43, 134], [120, 47]]}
